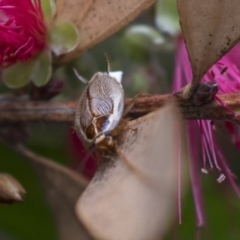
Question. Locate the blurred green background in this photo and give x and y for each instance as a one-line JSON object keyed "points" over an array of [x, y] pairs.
{"points": [[144, 51]]}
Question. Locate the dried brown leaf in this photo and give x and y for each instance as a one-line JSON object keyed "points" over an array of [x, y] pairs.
{"points": [[136, 200], [98, 19], [63, 187], [210, 29]]}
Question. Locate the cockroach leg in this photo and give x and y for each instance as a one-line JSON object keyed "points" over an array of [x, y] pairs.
{"points": [[132, 102]]}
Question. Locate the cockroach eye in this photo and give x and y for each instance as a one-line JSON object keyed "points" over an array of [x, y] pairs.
{"points": [[100, 109]]}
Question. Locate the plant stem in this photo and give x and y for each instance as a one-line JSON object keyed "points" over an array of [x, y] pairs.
{"points": [[16, 110]]}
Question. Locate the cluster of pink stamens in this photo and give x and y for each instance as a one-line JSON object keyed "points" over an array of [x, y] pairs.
{"points": [[227, 75], [22, 30]]}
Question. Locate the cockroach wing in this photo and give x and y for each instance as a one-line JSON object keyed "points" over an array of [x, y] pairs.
{"points": [[136, 200], [210, 29]]}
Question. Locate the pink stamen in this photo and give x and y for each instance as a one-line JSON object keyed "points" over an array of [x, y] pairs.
{"points": [[225, 106], [227, 172], [211, 145], [213, 74], [203, 148], [179, 185], [224, 70], [22, 31], [206, 144], [195, 174]]}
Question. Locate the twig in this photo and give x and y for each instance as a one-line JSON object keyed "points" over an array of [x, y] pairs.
{"points": [[64, 112]]}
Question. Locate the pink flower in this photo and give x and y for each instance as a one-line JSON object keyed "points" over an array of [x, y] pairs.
{"points": [[22, 30], [227, 75]]}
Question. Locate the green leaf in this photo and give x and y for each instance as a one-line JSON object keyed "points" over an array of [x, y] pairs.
{"points": [[18, 75], [42, 69], [144, 36], [167, 19], [48, 8], [64, 37]]}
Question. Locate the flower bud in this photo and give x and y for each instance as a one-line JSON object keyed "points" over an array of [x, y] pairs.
{"points": [[10, 189]]}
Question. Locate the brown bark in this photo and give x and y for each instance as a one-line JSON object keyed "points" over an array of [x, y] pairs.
{"points": [[16, 110]]}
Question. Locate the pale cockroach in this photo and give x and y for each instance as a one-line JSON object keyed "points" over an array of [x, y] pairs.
{"points": [[100, 109]]}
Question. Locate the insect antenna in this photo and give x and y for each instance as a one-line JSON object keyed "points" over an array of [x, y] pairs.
{"points": [[82, 79], [108, 63]]}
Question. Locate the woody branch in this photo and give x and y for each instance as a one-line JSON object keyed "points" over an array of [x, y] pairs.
{"points": [[15, 110]]}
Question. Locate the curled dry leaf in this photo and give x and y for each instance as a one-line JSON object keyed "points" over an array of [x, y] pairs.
{"points": [[62, 187], [210, 29], [10, 189], [96, 20], [136, 200]]}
